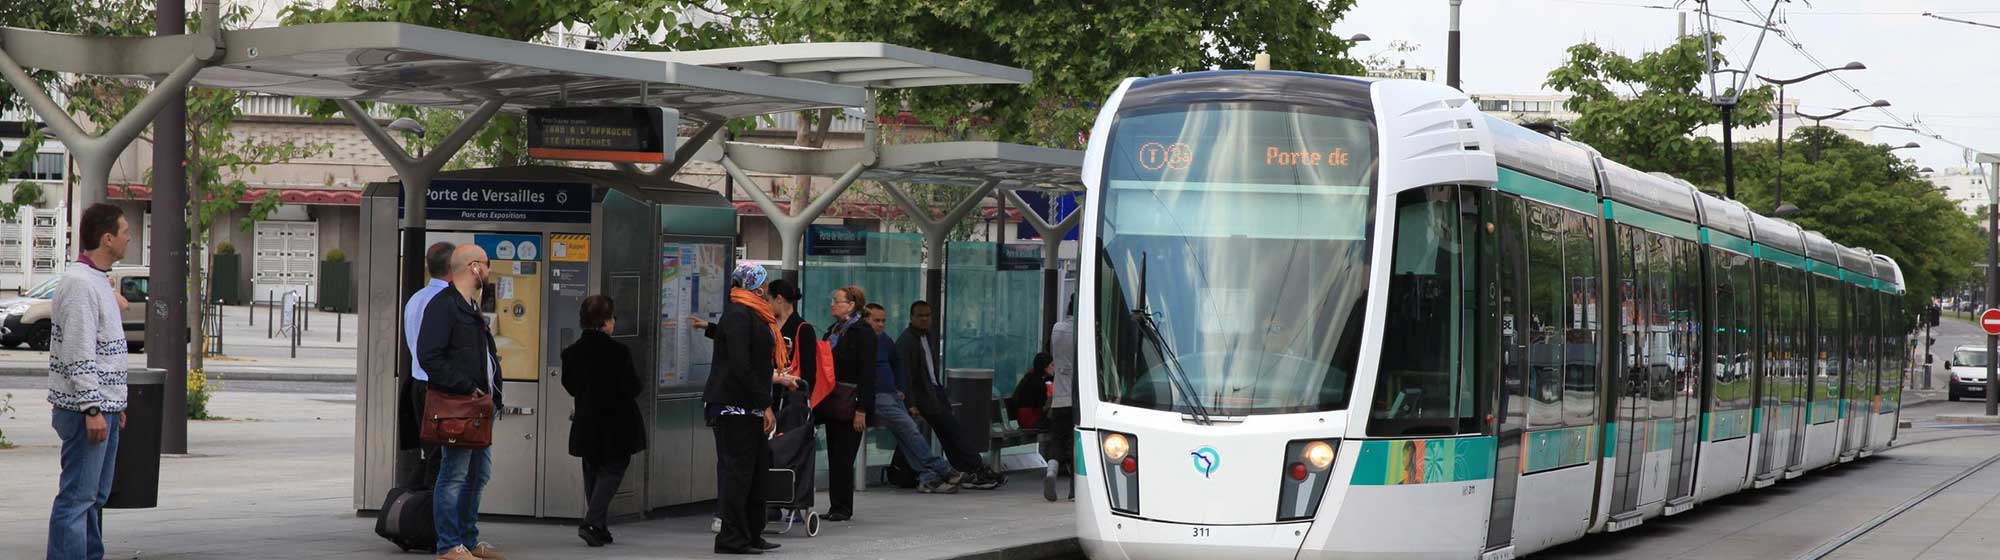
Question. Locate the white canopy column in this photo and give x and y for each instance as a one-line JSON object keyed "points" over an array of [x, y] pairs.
{"points": [[1052, 235]]}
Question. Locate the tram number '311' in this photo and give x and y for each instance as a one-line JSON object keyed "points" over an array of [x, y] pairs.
{"points": [[1200, 532]]}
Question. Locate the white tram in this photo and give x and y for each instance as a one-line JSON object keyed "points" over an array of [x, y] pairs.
{"points": [[1335, 317]]}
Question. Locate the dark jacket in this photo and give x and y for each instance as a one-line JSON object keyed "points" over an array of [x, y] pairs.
{"points": [[919, 383], [598, 372], [854, 362], [454, 346], [888, 365], [741, 374]]}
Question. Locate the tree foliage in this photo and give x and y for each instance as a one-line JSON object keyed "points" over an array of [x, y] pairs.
{"points": [[1077, 51], [1862, 195], [1643, 112]]}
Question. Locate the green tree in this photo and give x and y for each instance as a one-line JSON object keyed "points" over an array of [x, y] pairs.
{"points": [[217, 158], [1078, 51], [1862, 195], [1643, 112]]}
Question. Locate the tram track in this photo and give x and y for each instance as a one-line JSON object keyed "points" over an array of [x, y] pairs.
{"points": [[1828, 548]]}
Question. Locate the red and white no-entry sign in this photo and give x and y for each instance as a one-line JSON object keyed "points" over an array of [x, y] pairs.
{"points": [[1989, 321]]}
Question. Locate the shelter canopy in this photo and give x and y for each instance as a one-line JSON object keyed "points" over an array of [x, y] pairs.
{"points": [[423, 66], [871, 65]]}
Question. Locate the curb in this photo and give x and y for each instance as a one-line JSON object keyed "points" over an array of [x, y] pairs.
{"points": [[1067, 547], [223, 375]]}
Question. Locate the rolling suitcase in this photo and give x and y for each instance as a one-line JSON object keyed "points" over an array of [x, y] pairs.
{"points": [[406, 520]]}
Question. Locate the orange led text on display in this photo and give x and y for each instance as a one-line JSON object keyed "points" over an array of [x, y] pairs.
{"points": [[1304, 158]]}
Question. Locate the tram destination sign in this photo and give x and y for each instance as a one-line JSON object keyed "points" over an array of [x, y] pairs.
{"points": [[506, 201], [615, 134]]}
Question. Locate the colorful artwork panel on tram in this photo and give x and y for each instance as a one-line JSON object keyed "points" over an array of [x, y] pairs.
{"points": [[1424, 461]]}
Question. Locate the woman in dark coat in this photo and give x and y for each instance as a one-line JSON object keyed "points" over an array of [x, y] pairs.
{"points": [[854, 368], [607, 427]]}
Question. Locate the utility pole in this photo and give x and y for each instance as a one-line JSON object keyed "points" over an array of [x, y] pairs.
{"points": [[1992, 277], [166, 313], [1451, 50]]}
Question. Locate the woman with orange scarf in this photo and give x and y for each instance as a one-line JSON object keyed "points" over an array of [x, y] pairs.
{"points": [[749, 356]]}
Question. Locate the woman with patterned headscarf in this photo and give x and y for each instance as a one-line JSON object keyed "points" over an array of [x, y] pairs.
{"points": [[749, 355]]}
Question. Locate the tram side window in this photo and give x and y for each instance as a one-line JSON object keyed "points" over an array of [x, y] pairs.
{"points": [[1581, 351], [1546, 299], [1425, 380]]}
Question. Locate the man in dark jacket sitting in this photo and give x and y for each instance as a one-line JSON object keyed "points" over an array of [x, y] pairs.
{"points": [[924, 388], [455, 347]]}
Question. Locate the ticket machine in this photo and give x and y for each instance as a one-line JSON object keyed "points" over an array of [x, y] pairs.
{"points": [[554, 235]]}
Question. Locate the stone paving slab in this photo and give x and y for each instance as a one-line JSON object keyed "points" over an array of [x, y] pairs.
{"points": [[276, 482]]}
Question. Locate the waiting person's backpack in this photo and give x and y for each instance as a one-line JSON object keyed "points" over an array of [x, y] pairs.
{"points": [[899, 473], [406, 520]]}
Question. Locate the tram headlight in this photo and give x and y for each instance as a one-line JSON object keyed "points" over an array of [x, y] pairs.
{"points": [[1318, 455], [1116, 446], [1121, 470], [1308, 467]]}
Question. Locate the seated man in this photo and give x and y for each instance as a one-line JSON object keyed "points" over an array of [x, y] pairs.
{"points": [[929, 402], [937, 475]]}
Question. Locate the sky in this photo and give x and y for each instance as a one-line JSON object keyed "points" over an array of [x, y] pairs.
{"points": [[1927, 68]]}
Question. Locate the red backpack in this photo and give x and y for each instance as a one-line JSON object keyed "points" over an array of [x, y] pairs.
{"points": [[821, 380]]}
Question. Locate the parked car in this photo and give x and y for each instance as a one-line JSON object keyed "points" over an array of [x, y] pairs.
{"points": [[25, 319], [1967, 365]]}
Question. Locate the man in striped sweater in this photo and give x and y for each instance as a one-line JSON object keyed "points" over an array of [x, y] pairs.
{"points": [[87, 384]]}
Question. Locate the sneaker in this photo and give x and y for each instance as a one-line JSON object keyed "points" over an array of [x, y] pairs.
{"points": [[937, 487], [954, 478], [487, 552], [715, 527], [1049, 481], [981, 481], [589, 536], [457, 553]]}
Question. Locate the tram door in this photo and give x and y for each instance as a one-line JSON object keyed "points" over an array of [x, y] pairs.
{"points": [[1654, 403], [1508, 356]]}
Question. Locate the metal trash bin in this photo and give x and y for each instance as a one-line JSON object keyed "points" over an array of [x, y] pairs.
{"points": [[972, 390], [136, 481]]}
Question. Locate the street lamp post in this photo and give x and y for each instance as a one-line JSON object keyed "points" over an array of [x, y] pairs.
{"points": [[1992, 276], [1778, 201], [1451, 49], [1819, 120]]}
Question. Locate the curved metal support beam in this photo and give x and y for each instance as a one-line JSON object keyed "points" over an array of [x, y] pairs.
{"points": [[1052, 234], [935, 230], [792, 227], [95, 155], [125, 57]]}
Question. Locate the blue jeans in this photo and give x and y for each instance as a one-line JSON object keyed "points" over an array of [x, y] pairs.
{"points": [[890, 413], [76, 524], [462, 475]]}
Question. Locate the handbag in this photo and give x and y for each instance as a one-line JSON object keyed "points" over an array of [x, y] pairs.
{"points": [[461, 421], [840, 404]]}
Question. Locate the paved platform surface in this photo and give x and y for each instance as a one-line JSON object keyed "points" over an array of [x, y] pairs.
{"points": [[276, 482], [1801, 515]]}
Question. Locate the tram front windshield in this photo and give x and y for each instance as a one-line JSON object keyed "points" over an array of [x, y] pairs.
{"points": [[1234, 254]]}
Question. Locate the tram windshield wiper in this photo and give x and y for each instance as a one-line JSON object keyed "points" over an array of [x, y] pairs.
{"points": [[1150, 327]]}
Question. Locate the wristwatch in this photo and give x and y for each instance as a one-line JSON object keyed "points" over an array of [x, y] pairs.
{"points": [[91, 412]]}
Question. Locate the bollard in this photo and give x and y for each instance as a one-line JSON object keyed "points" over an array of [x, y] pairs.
{"points": [[338, 318], [270, 307], [297, 309], [308, 321]]}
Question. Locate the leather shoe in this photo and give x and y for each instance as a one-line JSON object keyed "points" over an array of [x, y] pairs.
{"points": [[766, 545], [738, 551], [837, 516]]}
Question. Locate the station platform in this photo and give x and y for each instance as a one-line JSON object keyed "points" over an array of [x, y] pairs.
{"points": [[276, 481]]}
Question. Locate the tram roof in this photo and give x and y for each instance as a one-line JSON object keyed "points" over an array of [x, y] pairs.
{"points": [[1778, 233], [1727, 216], [1888, 271], [1821, 249], [1537, 154], [1663, 195], [423, 66], [1856, 259]]}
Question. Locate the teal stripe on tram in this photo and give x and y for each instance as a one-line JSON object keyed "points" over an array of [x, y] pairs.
{"points": [[1779, 256], [1610, 439], [1822, 268], [1646, 219], [1726, 241], [1544, 190]]}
